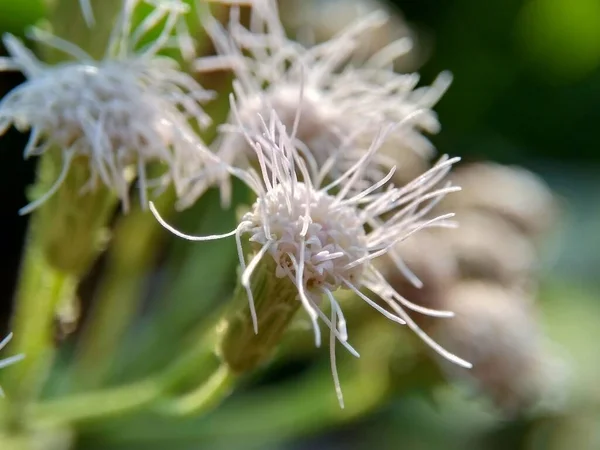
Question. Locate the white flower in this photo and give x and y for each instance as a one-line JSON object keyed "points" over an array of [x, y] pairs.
{"points": [[11, 359], [130, 108], [325, 238], [342, 101]]}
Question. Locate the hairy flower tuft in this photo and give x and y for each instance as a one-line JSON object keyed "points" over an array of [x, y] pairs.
{"points": [[128, 109], [325, 238], [329, 247], [343, 100]]}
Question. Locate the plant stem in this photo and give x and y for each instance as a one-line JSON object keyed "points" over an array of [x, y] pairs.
{"points": [[110, 402], [128, 398], [64, 237], [137, 239], [94, 405], [41, 289], [206, 396]]}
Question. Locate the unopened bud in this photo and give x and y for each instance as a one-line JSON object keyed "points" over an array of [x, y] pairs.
{"points": [[275, 302]]}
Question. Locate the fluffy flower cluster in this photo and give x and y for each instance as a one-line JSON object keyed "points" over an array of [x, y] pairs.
{"points": [[130, 108], [326, 237], [488, 275], [343, 98]]}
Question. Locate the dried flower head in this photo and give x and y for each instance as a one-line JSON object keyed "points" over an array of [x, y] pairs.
{"points": [[512, 192], [128, 109], [433, 263], [325, 238], [497, 330], [343, 100], [11, 359], [490, 248]]}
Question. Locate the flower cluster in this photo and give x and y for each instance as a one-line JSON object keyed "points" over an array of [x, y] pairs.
{"points": [[344, 99], [487, 275], [324, 238], [325, 136], [121, 112]]}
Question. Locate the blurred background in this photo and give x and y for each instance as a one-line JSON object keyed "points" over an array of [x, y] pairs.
{"points": [[526, 92]]}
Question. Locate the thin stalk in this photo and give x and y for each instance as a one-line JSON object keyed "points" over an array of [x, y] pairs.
{"points": [[136, 242], [303, 406], [94, 405], [205, 397], [41, 289], [156, 389]]}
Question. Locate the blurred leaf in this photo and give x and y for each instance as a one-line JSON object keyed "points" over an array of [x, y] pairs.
{"points": [[572, 320], [193, 288], [16, 15], [561, 37]]}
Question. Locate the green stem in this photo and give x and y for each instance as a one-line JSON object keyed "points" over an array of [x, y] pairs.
{"points": [[206, 396], [110, 402], [70, 225], [137, 238], [41, 290], [306, 405], [94, 405], [64, 237]]}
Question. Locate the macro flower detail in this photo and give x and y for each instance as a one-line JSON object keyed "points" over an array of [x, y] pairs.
{"points": [[130, 108], [11, 359], [325, 238], [318, 213], [343, 101]]}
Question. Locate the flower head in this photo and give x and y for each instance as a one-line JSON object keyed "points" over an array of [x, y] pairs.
{"points": [[343, 100], [11, 359], [325, 238], [497, 329], [511, 193], [128, 109]]}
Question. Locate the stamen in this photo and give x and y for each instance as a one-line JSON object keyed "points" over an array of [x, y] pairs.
{"points": [[189, 237]]}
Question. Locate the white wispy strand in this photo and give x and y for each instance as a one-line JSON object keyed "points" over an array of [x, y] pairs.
{"points": [[345, 101], [323, 240], [11, 359], [87, 12], [130, 108]]}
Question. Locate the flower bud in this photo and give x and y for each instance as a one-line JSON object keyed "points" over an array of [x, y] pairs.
{"points": [[509, 191], [275, 302], [489, 248], [497, 330]]}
